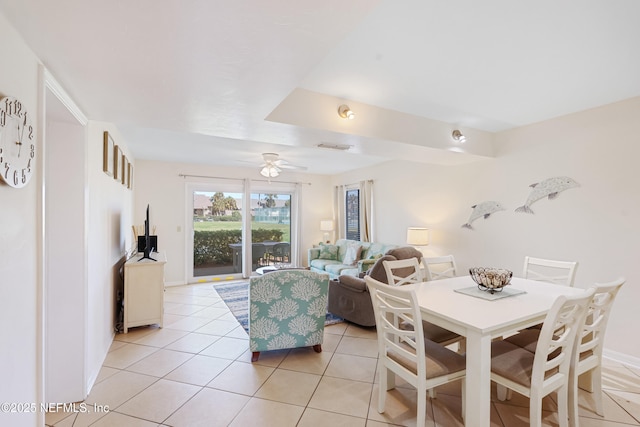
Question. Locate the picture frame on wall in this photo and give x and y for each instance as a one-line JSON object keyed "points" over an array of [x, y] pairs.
{"points": [[107, 154], [130, 177], [125, 170], [117, 163]]}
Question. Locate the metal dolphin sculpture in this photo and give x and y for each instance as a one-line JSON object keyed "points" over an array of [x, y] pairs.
{"points": [[548, 188], [484, 209]]}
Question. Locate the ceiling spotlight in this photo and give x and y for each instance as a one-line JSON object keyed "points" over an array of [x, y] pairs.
{"points": [[458, 136], [345, 112]]}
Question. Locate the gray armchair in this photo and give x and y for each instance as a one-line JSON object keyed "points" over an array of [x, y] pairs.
{"points": [[349, 297]]}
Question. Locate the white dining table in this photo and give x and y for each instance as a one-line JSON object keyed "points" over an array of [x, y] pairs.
{"points": [[480, 321]]}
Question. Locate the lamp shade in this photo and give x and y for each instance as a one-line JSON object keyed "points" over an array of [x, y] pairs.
{"points": [[269, 171], [418, 236], [326, 225]]}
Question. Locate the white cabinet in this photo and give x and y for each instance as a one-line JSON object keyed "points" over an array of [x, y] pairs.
{"points": [[144, 290]]}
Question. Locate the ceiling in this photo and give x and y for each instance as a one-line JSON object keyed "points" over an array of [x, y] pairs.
{"points": [[222, 82]]}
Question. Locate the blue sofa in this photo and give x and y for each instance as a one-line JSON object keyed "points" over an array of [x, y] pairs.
{"points": [[331, 259]]}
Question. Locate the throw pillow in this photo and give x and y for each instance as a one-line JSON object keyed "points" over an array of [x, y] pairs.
{"points": [[352, 255], [328, 252]]}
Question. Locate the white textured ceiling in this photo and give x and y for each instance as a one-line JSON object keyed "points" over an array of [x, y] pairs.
{"points": [[222, 82]]}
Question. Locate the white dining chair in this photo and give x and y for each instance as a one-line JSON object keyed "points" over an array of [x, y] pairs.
{"points": [[589, 345], [405, 352], [439, 267], [407, 271], [403, 271], [547, 369], [548, 270]]}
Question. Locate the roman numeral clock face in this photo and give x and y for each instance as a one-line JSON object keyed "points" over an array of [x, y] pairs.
{"points": [[17, 143]]}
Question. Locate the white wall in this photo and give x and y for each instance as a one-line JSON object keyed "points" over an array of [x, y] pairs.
{"points": [[109, 237], [19, 261], [158, 185], [65, 290], [21, 275], [595, 224]]}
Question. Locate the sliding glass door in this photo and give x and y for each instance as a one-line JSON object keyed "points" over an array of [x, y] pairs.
{"points": [[234, 232], [271, 229]]}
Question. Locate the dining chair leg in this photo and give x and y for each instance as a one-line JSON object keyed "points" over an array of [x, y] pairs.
{"points": [[464, 397], [573, 399], [535, 411], [390, 382], [563, 405], [503, 393], [421, 415], [382, 393], [596, 381]]}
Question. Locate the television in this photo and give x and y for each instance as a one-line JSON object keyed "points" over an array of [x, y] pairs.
{"points": [[148, 242]]}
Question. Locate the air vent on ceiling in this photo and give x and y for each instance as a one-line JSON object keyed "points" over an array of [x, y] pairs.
{"points": [[342, 147]]}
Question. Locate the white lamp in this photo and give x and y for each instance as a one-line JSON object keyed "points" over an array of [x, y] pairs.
{"points": [[326, 225], [417, 237]]}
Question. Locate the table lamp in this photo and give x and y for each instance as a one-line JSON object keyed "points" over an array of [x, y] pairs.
{"points": [[418, 237], [326, 226]]}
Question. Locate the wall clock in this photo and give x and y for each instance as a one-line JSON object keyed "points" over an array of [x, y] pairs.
{"points": [[17, 143]]}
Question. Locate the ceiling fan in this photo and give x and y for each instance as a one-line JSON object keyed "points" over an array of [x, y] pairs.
{"points": [[273, 165]]}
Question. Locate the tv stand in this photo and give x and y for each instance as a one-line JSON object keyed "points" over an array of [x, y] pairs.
{"points": [[145, 256], [144, 290]]}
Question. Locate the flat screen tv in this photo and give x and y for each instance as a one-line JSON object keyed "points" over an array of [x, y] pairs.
{"points": [[148, 244]]}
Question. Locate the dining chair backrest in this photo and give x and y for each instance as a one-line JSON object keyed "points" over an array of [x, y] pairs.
{"points": [[552, 271], [440, 267], [403, 271], [405, 352], [394, 305], [557, 337], [589, 344], [547, 370]]}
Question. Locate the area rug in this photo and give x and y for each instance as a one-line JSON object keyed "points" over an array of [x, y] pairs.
{"points": [[236, 296]]}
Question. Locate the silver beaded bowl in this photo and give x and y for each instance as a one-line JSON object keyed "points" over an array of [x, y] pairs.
{"points": [[490, 279]]}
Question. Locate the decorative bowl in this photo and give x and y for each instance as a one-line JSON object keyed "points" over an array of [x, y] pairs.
{"points": [[490, 279]]}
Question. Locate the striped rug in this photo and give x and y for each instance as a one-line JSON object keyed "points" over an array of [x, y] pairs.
{"points": [[236, 296]]}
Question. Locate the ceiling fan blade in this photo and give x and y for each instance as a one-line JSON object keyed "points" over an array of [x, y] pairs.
{"points": [[294, 167]]}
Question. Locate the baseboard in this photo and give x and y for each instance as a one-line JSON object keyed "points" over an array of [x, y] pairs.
{"points": [[170, 284], [625, 359]]}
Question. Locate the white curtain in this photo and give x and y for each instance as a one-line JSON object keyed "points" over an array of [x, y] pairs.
{"points": [[338, 211], [246, 226], [297, 225], [366, 211]]}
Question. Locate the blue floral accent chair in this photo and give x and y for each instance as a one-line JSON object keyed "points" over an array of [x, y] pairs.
{"points": [[287, 309]]}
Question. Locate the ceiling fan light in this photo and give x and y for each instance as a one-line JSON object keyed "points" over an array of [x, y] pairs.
{"points": [[269, 171]]}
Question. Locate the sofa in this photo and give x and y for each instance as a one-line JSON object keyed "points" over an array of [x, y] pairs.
{"points": [[349, 296], [346, 257]]}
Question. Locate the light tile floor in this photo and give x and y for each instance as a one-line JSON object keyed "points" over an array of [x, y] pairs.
{"points": [[197, 371]]}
